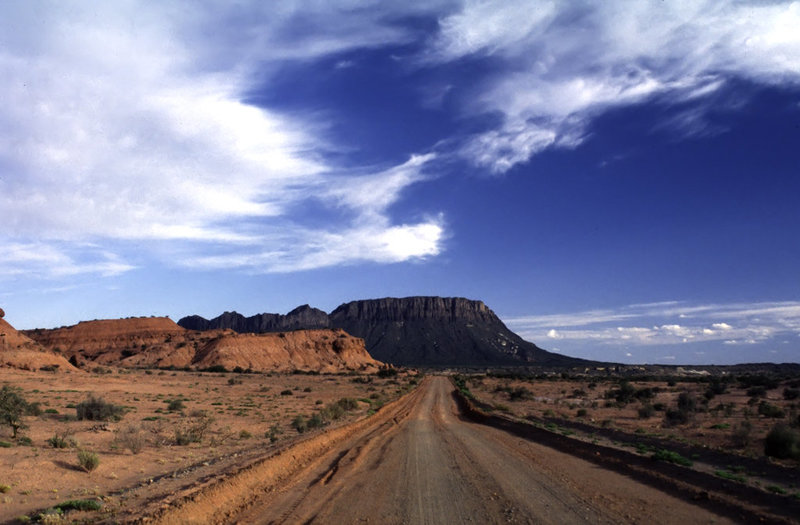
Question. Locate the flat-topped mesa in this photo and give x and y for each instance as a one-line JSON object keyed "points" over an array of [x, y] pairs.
{"points": [[416, 308], [417, 331]]}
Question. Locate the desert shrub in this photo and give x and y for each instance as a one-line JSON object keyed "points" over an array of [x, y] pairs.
{"points": [[790, 394], [714, 389], [646, 411], [519, 393], [581, 412], [686, 402], [273, 433], [132, 438], [315, 421], [24, 440], [88, 460], [742, 434], [195, 432], [6, 444], [348, 403], [245, 434], [671, 457], [96, 409], [217, 369], [307, 389], [287, 392], [175, 405], [61, 441], [12, 409], [769, 410], [623, 395], [4, 489], [782, 442], [299, 423], [79, 504], [387, 372], [673, 417], [757, 391]]}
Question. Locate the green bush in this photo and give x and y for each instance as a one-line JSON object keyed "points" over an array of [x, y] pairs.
{"points": [[287, 392], [387, 372], [61, 441], [176, 405], [315, 421], [671, 457], [782, 442], [96, 409], [299, 423], [88, 460], [673, 417], [79, 504], [12, 408]]}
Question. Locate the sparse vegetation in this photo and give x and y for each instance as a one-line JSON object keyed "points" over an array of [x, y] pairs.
{"points": [[132, 438], [782, 442], [88, 461], [671, 457], [96, 409], [12, 408]]}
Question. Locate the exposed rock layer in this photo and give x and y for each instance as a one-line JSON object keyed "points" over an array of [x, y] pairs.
{"points": [[159, 342], [19, 351], [423, 331]]}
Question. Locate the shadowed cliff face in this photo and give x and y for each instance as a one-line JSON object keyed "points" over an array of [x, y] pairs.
{"points": [[301, 318], [421, 331]]}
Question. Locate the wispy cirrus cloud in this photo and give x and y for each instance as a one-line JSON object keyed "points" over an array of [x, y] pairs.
{"points": [[561, 64]]}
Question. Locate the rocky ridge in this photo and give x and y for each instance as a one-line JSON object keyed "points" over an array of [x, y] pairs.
{"points": [[420, 331], [149, 342]]}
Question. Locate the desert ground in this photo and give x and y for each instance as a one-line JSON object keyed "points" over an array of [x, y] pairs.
{"points": [[176, 426], [205, 447]]}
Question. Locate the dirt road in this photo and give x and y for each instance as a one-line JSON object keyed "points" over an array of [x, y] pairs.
{"points": [[428, 465]]}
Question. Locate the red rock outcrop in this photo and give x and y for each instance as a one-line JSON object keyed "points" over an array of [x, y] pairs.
{"points": [[159, 342], [19, 351]]}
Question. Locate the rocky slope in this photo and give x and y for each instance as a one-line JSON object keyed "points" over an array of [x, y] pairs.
{"points": [[159, 342], [420, 331], [19, 351]]}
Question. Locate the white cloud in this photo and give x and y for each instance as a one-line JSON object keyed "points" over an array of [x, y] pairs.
{"points": [[125, 122], [561, 64], [654, 324]]}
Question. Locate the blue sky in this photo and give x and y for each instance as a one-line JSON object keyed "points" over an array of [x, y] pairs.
{"points": [[617, 180]]}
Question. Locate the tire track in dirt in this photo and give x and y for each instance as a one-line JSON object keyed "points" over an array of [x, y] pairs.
{"points": [[427, 465]]}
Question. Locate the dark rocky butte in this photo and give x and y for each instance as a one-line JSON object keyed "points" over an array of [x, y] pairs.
{"points": [[412, 331]]}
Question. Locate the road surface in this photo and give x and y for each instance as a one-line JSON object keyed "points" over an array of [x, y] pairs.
{"points": [[427, 465]]}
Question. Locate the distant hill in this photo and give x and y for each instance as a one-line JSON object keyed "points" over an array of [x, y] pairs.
{"points": [[413, 331], [19, 351], [159, 342]]}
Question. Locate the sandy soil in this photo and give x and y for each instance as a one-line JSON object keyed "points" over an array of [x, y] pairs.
{"points": [[239, 409], [417, 461], [711, 425]]}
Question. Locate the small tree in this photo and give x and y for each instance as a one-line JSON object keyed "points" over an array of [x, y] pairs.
{"points": [[12, 407]]}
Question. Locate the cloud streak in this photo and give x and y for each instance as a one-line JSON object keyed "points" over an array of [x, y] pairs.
{"points": [[560, 64], [672, 323]]}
